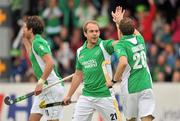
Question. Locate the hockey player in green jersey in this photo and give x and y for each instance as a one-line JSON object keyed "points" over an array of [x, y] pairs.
{"points": [[95, 93], [44, 69], [133, 71]]}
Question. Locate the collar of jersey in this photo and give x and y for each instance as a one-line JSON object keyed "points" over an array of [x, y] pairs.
{"points": [[127, 36], [37, 36], [98, 42]]}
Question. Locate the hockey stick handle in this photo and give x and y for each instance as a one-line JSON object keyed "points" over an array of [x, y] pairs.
{"points": [[57, 82], [9, 101], [32, 93], [54, 104]]}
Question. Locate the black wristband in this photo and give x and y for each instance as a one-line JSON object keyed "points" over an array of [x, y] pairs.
{"points": [[114, 81], [110, 87]]}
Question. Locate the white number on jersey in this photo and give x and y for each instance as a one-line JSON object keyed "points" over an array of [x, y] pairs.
{"points": [[140, 60]]}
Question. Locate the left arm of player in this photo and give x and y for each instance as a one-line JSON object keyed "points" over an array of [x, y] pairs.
{"points": [[49, 63], [120, 68]]}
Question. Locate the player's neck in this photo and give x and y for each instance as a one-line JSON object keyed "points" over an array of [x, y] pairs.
{"points": [[32, 37], [90, 45]]}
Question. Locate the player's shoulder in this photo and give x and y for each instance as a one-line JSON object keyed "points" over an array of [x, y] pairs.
{"points": [[80, 48], [37, 43], [40, 41], [107, 40]]}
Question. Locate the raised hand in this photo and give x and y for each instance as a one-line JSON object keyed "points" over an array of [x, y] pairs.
{"points": [[151, 2], [118, 14]]}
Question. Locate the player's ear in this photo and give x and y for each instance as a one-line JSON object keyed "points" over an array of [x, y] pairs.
{"points": [[31, 30], [85, 34]]}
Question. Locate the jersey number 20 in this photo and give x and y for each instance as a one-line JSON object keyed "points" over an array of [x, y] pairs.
{"points": [[140, 60]]}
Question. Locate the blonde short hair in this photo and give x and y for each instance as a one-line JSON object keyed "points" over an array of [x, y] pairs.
{"points": [[89, 22]]}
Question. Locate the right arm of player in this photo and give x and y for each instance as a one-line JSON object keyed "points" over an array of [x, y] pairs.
{"points": [[76, 81], [117, 17], [120, 68]]}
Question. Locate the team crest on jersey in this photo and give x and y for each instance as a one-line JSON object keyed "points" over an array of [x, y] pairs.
{"points": [[41, 47]]}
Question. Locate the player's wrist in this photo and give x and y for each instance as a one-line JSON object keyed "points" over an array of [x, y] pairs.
{"points": [[40, 81], [117, 25]]}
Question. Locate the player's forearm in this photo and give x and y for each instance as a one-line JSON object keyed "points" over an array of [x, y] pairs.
{"points": [[120, 69], [76, 81], [74, 85], [119, 35], [118, 31], [118, 73]]}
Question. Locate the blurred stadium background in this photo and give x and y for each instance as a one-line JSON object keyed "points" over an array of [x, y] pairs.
{"points": [[159, 23]]}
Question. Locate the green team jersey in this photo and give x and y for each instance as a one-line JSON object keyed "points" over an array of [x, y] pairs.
{"points": [[40, 47], [136, 75], [89, 61]]}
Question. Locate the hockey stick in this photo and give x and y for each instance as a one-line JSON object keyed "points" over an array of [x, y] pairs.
{"points": [[44, 105], [108, 80], [9, 101]]}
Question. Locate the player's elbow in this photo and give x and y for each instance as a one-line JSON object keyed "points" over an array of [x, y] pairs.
{"points": [[123, 61], [51, 63], [124, 64], [48, 60]]}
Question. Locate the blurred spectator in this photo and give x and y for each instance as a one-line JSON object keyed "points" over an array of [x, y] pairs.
{"points": [[176, 76], [169, 51], [85, 11], [176, 32], [76, 41], [103, 17], [176, 28], [30, 76], [52, 16], [160, 77], [168, 7], [177, 64], [70, 19], [176, 73], [110, 32], [160, 67], [64, 34], [41, 6], [157, 26], [145, 19], [166, 36], [64, 57], [152, 56], [16, 7], [18, 67]]}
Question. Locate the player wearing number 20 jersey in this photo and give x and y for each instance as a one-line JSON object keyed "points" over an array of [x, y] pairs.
{"points": [[137, 71], [136, 86]]}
